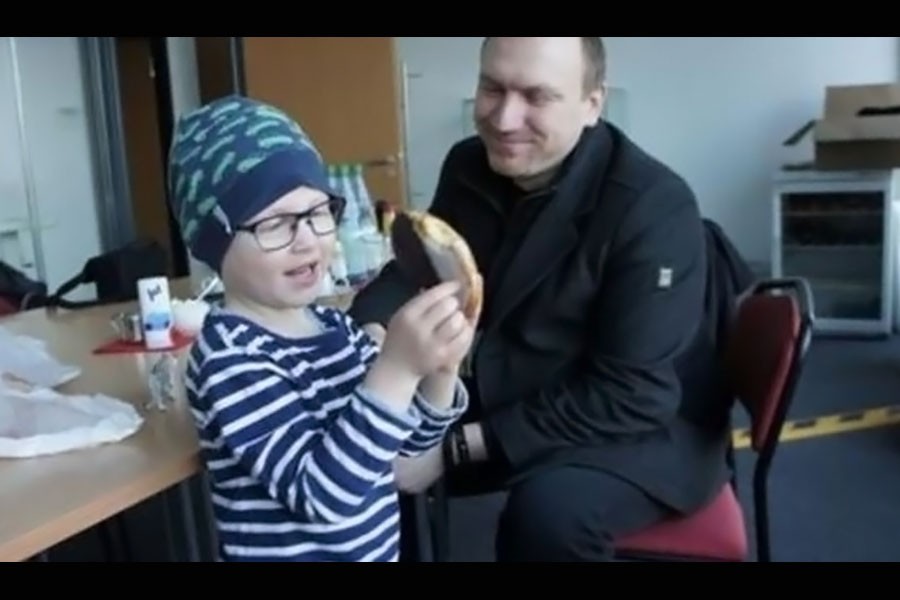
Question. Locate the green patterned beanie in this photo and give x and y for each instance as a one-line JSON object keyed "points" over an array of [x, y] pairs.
{"points": [[230, 160]]}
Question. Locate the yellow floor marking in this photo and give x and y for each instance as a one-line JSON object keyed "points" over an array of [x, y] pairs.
{"points": [[828, 425]]}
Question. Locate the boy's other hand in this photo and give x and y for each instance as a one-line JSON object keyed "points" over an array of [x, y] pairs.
{"points": [[429, 333]]}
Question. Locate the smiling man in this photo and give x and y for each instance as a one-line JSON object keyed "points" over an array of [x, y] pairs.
{"points": [[584, 406]]}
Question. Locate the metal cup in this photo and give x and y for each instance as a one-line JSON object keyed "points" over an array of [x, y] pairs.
{"points": [[128, 326]]}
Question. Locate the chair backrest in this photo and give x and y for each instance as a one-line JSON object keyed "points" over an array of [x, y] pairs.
{"points": [[769, 340]]}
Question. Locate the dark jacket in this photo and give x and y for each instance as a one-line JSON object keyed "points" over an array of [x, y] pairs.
{"points": [[593, 346]]}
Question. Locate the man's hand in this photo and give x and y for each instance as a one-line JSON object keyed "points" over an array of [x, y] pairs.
{"points": [[414, 475]]}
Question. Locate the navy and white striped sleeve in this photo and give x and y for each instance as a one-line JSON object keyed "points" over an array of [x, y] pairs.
{"points": [[321, 469], [362, 341], [434, 422]]}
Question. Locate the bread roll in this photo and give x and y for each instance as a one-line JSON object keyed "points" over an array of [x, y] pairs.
{"points": [[429, 252]]}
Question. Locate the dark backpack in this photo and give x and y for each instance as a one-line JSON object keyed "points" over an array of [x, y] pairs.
{"points": [[729, 276], [708, 398], [115, 274], [18, 291]]}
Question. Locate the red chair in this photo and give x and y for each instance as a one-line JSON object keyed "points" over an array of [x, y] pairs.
{"points": [[764, 358]]}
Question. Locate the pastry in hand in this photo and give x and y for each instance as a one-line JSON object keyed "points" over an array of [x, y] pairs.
{"points": [[429, 252]]}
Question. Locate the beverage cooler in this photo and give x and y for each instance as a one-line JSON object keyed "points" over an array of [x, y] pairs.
{"points": [[838, 230]]}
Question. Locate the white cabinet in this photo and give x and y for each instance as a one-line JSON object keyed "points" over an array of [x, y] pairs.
{"points": [[838, 230]]}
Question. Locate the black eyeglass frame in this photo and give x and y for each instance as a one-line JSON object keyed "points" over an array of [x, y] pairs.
{"points": [[335, 204]]}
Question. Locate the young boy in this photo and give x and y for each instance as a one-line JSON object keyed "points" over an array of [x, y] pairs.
{"points": [[300, 415]]}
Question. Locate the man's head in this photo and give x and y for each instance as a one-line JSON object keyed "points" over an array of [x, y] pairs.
{"points": [[251, 195], [535, 96]]}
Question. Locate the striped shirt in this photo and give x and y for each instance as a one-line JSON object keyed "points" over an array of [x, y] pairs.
{"points": [[299, 453]]}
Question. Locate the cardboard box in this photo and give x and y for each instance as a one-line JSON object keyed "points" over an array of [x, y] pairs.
{"points": [[860, 128]]}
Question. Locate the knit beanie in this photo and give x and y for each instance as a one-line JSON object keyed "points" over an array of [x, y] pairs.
{"points": [[229, 160]]}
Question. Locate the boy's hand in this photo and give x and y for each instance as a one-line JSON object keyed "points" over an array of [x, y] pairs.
{"points": [[428, 333], [439, 388], [461, 346]]}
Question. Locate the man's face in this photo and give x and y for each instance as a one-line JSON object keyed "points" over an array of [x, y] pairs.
{"points": [[531, 106]]}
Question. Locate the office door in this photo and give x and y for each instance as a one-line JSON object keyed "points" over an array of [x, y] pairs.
{"points": [[215, 68], [144, 146], [346, 92]]}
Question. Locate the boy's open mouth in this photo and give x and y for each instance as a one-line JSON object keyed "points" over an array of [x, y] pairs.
{"points": [[305, 274]]}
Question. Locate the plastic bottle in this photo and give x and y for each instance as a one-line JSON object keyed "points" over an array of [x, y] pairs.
{"points": [[349, 233], [368, 224], [338, 269]]}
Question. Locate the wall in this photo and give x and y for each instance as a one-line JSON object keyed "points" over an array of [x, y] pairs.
{"points": [[47, 181], [441, 74], [716, 109]]}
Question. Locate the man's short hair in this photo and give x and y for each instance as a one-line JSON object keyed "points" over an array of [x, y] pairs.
{"points": [[595, 63], [594, 53]]}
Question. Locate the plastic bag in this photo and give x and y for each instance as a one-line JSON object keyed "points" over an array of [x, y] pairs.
{"points": [[27, 358], [41, 421]]}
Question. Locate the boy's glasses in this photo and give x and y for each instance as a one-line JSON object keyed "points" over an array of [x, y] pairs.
{"points": [[275, 233]]}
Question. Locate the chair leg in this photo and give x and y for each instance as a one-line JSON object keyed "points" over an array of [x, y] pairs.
{"points": [[413, 523], [424, 545], [732, 464], [761, 509], [440, 519]]}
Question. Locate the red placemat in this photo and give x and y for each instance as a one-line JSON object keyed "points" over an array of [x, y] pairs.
{"points": [[117, 346]]}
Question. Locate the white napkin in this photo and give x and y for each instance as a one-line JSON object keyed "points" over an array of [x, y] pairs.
{"points": [[27, 358], [41, 421]]}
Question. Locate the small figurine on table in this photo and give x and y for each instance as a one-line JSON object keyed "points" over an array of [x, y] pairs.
{"points": [[162, 382]]}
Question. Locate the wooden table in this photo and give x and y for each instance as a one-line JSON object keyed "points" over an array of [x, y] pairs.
{"points": [[46, 500]]}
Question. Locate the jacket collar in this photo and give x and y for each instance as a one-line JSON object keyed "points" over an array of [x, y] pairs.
{"points": [[553, 233]]}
